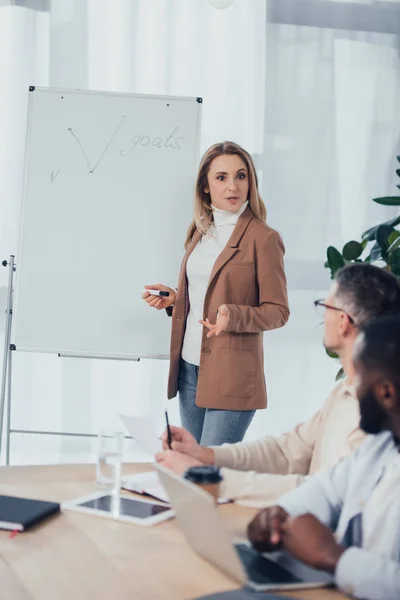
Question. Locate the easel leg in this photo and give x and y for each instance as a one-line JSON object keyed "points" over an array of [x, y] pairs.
{"points": [[6, 374], [8, 423]]}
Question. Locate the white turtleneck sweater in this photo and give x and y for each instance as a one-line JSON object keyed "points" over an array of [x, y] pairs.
{"points": [[198, 271]]}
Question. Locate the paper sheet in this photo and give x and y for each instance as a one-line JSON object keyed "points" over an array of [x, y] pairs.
{"points": [[145, 483], [144, 432]]}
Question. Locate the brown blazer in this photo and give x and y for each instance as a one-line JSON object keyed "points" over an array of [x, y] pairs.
{"points": [[248, 276]]}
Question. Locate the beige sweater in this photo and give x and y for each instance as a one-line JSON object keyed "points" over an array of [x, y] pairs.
{"points": [[257, 473]]}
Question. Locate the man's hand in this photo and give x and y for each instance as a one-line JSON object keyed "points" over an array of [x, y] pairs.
{"points": [[180, 435], [312, 542], [265, 530], [184, 442], [177, 462]]}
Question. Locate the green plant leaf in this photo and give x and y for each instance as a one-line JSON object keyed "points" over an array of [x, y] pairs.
{"points": [[398, 172], [394, 262], [393, 222], [398, 186], [369, 234], [382, 237], [331, 354], [335, 260], [364, 244], [376, 253], [352, 250], [394, 245], [393, 248], [393, 236], [388, 200], [398, 158], [340, 374]]}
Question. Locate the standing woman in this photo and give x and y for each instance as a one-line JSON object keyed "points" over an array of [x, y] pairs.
{"points": [[231, 288]]}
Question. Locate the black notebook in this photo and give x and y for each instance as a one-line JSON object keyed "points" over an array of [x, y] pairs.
{"points": [[17, 514]]}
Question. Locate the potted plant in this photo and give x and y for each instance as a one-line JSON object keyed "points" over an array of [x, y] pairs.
{"points": [[379, 244]]}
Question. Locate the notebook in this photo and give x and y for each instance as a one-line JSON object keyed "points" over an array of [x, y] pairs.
{"points": [[17, 514], [149, 484]]}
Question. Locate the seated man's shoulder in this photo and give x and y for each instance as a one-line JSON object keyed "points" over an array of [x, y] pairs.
{"points": [[342, 386], [341, 390], [375, 446]]}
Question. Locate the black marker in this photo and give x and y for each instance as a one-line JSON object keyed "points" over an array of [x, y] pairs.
{"points": [[155, 293]]}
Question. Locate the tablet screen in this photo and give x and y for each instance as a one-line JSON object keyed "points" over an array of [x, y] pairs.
{"points": [[128, 507]]}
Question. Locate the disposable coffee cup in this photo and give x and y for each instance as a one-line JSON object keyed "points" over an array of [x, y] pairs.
{"points": [[207, 477]]}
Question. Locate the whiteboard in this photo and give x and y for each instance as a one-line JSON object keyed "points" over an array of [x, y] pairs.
{"points": [[108, 197]]}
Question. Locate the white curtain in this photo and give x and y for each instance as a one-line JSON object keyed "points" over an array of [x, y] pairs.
{"points": [[331, 135], [309, 87]]}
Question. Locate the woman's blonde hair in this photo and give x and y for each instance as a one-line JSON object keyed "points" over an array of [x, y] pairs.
{"points": [[203, 215]]}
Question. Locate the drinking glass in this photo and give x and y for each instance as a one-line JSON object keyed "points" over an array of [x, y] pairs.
{"points": [[109, 461]]}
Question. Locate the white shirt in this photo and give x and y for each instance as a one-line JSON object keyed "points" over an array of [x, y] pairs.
{"points": [[381, 515], [198, 271]]}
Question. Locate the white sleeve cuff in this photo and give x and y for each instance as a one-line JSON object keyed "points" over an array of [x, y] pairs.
{"points": [[366, 575], [349, 574]]}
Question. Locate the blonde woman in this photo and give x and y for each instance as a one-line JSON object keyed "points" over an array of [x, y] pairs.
{"points": [[231, 288]]}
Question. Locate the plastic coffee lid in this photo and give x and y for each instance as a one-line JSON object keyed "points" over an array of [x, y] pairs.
{"points": [[203, 474]]}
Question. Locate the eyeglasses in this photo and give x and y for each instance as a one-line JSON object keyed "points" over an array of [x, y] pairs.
{"points": [[321, 304]]}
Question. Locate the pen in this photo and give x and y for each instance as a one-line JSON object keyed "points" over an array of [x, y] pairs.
{"points": [[169, 436], [155, 293]]}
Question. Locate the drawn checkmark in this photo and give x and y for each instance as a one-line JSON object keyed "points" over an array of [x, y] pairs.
{"points": [[54, 175], [92, 169]]}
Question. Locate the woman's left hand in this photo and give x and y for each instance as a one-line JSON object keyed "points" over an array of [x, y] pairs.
{"points": [[221, 323]]}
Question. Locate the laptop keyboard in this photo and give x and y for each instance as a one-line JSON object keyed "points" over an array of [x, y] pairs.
{"points": [[262, 570]]}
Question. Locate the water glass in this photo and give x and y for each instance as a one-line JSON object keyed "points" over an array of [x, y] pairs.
{"points": [[109, 461]]}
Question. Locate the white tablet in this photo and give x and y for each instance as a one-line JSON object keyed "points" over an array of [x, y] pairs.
{"points": [[130, 510]]}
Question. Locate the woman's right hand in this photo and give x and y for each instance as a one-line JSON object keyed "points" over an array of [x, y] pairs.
{"points": [[185, 443], [159, 302]]}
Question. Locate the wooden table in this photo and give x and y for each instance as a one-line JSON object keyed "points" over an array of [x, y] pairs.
{"points": [[80, 557]]}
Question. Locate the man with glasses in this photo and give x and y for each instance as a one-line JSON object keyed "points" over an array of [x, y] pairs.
{"points": [[256, 473], [320, 304]]}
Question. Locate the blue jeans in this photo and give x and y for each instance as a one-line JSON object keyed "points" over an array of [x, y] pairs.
{"points": [[210, 426]]}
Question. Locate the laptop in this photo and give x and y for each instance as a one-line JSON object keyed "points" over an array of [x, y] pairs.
{"points": [[198, 517]]}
